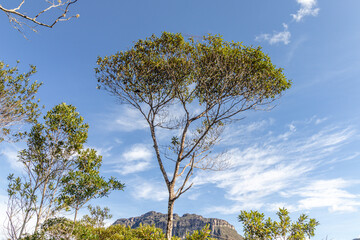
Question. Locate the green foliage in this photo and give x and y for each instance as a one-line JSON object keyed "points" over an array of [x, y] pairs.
{"points": [[51, 147], [60, 174], [209, 82], [17, 100], [56, 228], [257, 228], [120, 232], [84, 182], [97, 216], [169, 67], [57, 140], [62, 228], [200, 235], [65, 119]]}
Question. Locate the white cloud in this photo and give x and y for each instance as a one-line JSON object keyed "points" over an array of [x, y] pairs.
{"points": [[292, 127], [275, 165], [136, 159], [134, 168], [10, 152], [138, 152], [235, 208], [276, 37], [194, 196], [127, 120], [320, 120], [307, 7], [328, 193], [147, 190], [234, 131], [286, 135]]}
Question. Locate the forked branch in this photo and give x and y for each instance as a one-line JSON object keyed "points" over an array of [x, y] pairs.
{"points": [[19, 18]]}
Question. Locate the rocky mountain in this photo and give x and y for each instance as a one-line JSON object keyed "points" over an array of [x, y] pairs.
{"points": [[220, 229]]}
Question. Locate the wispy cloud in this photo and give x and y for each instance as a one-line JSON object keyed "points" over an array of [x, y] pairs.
{"points": [[277, 164], [194, 196], [244, 129], [307, 7], [328, 193], [10, 153], [136, 159], [147, 190], [126, 120], [276, 37], [294, 47]]}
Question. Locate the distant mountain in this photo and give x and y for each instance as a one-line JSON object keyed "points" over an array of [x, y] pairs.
{"points": [[220, 229]]}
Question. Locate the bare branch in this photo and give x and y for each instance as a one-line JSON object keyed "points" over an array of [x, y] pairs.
{"points": [[15, 14]]}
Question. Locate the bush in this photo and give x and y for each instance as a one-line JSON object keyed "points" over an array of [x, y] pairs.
{"points": [[63, 228]]}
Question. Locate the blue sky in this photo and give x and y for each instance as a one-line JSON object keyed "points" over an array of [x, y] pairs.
{"points": [[304, 154]]}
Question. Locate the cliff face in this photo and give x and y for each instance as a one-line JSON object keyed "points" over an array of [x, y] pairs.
{"points": [[220, 229]]}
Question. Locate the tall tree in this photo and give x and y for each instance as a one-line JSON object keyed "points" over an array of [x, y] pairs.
{"points": [[51, 146], [209, 83], [256, 227], [54, 150], [21, 13], [17, 100]]}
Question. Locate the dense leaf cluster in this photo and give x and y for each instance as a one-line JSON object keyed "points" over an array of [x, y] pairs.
{"points": [[169, 67], [257, 228], [17, 99]]}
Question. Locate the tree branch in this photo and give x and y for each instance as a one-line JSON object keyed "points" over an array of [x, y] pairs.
{"points": [[14, 14]]}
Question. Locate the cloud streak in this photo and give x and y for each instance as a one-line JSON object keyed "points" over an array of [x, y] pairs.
{"points": [[280, 167], [126, 120], [328, 193]]}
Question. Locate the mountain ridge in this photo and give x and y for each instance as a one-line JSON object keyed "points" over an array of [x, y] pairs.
{"points": [[220, 229]]}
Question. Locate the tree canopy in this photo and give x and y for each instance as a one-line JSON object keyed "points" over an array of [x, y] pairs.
{"points": [[17, 100], [209, 82]]}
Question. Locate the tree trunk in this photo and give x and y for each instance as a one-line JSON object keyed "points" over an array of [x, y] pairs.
{"points": [[76, 212], [74, 222], [40, 207], [24, 222], [169, 226]]}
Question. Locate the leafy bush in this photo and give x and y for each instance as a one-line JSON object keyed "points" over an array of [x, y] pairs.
{"points": [[200, 235], [257, 227], [63, 228]]}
